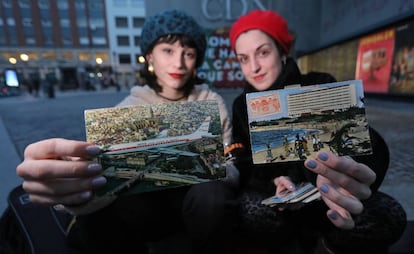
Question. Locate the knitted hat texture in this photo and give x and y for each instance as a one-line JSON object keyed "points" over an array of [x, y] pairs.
{"points": [[172, 22], [267, 21]]}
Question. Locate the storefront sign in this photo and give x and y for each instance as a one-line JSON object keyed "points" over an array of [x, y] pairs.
{"points": [[215, 10]]}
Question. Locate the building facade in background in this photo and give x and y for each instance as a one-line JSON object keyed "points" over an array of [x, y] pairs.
{"points": [[125, 19], [73, 43], [87, 43], [60, 41]]}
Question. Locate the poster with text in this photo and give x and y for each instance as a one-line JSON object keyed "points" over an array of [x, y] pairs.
{"points": [[220, 67], [374, 62]]}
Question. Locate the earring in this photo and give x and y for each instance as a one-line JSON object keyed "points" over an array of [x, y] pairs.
{"points": [[151, 68]]}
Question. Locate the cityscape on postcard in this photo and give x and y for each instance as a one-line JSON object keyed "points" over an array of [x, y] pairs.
{"points": [[160, 146]]}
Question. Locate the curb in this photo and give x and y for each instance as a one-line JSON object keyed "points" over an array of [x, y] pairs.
{"points": [[9, 160]]}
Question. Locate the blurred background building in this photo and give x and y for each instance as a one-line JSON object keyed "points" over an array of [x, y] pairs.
{"points": [[56, 40], [91, 44], [74, 43]]}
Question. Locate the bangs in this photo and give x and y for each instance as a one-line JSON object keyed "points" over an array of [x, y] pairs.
{"points": [[184, 40]]}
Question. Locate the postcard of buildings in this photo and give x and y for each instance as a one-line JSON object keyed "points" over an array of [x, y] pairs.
{"points": [[154, 147], [295, 123]]}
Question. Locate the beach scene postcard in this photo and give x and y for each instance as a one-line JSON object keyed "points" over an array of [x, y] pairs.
{"points": [[295, 123], [155, 147]]}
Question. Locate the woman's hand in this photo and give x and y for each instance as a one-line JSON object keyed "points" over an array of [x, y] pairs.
{"points": [[343, 183], [60, 171], [283, 185]]}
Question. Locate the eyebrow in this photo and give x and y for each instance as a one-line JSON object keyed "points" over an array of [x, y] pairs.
{"points": [[258, 48]]}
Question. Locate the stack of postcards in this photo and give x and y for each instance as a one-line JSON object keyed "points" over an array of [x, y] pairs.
{"points": [[304, 194]]}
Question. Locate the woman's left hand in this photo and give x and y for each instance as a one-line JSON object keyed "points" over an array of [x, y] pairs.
{"points": [[343, 183], [283, 184]]}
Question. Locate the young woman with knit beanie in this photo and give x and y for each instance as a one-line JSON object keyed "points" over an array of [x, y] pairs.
{"points": [[352, 216], [60, 171]]}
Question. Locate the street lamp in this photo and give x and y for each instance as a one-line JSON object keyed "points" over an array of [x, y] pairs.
{"points": [[24, 57], [99, 60], [12, 60], [141, 59]]}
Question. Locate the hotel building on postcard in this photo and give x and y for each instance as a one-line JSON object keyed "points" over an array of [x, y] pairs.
{"points": [[322, 100]]}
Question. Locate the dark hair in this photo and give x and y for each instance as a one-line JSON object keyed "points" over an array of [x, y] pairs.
{"points": [[279, 48], [185, 41]]}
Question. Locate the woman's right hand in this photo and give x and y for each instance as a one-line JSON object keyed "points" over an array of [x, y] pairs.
{"points": [[60, 171]]}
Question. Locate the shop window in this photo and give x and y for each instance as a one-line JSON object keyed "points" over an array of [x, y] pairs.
{"points": [[124, 59]]}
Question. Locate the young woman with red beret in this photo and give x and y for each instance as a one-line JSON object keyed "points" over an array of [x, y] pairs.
{"points": [[353, 216]]}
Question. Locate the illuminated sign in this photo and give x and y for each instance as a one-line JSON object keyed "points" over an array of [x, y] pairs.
{"points": [[220, 67]]}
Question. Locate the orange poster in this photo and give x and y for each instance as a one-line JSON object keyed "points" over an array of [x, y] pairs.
{"points": [[374, 62]]}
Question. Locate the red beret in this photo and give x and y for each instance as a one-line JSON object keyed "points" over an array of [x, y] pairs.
{"points": [[267, 21]]}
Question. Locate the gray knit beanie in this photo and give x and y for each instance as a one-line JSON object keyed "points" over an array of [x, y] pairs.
{"points": [[172, 22]]}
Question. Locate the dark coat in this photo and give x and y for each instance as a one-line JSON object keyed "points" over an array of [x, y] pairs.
{"points": [[260, 176]]}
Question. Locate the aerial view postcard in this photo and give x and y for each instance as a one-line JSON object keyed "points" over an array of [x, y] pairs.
{"points": [[160, 146], [295, 123]]}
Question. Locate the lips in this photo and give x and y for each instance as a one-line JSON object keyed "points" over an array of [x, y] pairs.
{"points": [[176, 75], [259, 77]]}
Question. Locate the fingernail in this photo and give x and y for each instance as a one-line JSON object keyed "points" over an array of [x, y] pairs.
{"points": [[323, 156], [86, 195], [333, 216], [94, 168], [324, 188], [98, 181], [292, 187], [93, 150], [311, 163]]}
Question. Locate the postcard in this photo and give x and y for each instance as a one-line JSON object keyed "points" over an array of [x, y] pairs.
{"points": [[295, 123], [303, 192], [155, 147]]}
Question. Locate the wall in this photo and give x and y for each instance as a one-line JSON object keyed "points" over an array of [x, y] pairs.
{"points": [[316, 23], [345, 19], [302, 15]]}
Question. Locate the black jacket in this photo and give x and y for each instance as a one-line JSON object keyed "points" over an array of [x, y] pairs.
{"points": [[260, 176]]}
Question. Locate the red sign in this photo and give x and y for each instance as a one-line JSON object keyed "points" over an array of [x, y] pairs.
{"points": [[374, 61]]}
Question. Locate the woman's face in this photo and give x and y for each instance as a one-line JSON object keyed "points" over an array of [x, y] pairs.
{"points": [[259, 58], [173, 64]]}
